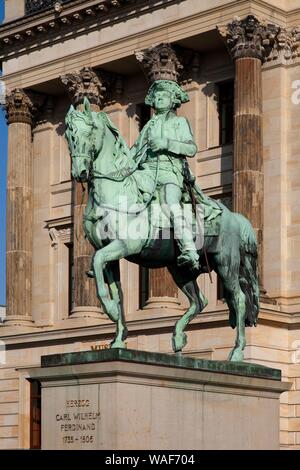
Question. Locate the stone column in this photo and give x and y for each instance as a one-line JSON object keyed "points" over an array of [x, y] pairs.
{"points": [[249, 42], [84, 83], [20, 108], [163, 292], [161, 62]]}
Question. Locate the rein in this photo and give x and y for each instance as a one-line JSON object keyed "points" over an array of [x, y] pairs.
{"points": [[97, 175], [81, 204], [94, 175]]}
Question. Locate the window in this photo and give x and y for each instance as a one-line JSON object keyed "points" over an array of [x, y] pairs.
{"points": [[226, 112], [35, 414]]}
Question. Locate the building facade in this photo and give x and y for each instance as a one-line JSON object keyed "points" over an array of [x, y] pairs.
{"points": [[241, 69], [2, 313]]}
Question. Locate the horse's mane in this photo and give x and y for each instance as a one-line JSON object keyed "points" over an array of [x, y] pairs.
{"points": [[79, 115], [122, 158], [96, 119]]}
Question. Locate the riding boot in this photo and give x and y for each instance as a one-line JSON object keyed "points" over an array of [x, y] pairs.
{"points": [[184, 237]]}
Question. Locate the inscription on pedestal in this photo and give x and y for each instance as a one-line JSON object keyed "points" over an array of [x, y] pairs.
{"points": [[75, 417], [78, 426]]}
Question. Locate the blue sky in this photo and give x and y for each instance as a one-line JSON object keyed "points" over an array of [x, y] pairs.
{"points": [[3, 159]]}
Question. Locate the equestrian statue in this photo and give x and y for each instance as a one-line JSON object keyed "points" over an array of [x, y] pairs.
{"points": [[144, 205]]}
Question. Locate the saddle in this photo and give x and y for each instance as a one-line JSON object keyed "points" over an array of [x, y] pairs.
{"points": [[209, 209]]}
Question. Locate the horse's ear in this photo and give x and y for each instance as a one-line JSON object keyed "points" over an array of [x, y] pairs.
{"points": [[87, 107], [71, 109]]}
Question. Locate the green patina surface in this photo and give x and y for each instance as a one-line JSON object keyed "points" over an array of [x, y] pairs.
{"points": [[144, 357], [133, 193]]}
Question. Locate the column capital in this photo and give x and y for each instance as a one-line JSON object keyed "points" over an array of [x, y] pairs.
{"points": [[160, 62], [249, 37], [286, 47], [84, 83], [19, 107]]}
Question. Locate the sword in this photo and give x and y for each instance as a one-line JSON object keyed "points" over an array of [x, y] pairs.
{"points": [[190, 181]]}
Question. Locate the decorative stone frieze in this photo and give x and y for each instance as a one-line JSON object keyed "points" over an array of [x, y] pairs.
{"points": [[49, 17], [35, 6]]}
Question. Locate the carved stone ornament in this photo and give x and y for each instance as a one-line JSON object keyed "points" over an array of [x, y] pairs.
{"points": [[286, 45], [160, 63], [249, 37], [19, 107], [34, 6], [60, 235], [84, 83], [58, 7]]}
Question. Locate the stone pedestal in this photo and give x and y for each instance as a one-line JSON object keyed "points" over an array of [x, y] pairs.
{"points": [[125, 399]]}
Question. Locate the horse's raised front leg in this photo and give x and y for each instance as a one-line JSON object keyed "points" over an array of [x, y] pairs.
{"points": [[111, 303], [197, 303]]}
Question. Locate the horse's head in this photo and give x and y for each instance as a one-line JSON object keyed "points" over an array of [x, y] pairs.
{"points": [[83, 140]]}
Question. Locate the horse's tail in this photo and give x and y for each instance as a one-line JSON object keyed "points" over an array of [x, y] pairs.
{"points": [[248, 274]]}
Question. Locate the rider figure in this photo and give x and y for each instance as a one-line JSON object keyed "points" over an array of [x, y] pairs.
{"points": [[170, 140]]}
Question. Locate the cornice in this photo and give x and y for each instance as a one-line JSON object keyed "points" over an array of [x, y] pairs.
{"points": [[71, 330], [276, 10], [69, 8], [172, 30], [19, 35]]}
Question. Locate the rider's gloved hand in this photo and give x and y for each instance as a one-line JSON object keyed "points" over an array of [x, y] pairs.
{"points": [[157, 144]]}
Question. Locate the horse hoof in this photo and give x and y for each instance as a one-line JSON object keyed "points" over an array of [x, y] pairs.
{"points": [[178, 342], [236, 356], [118, 344]]}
